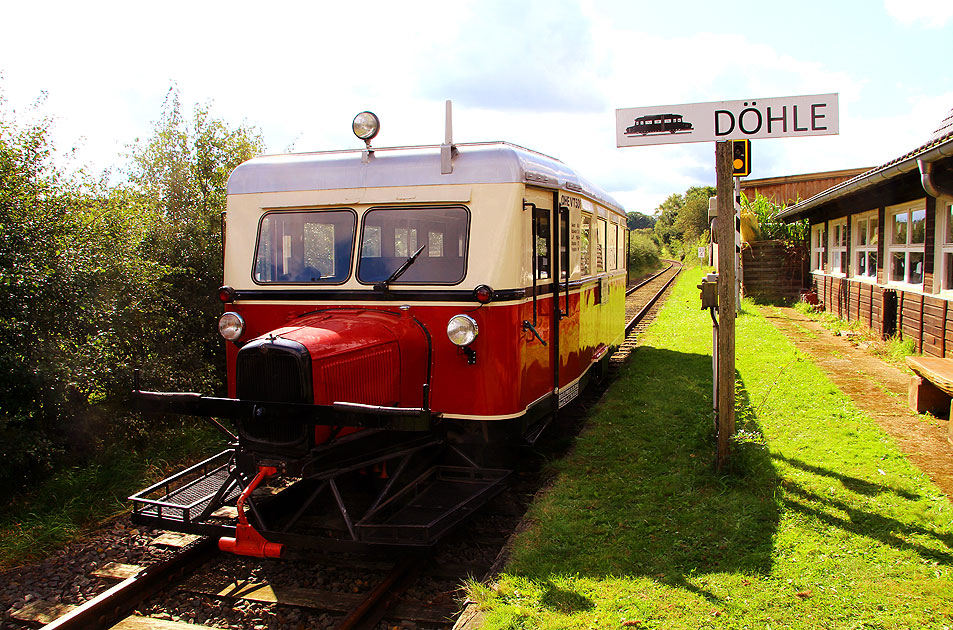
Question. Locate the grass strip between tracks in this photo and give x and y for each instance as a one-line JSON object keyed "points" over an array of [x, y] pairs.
{"points": [[822, 523]]}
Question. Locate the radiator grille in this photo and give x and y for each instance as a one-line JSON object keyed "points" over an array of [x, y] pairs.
{"points": [[278, 371], [370, 377], [273, 376]]}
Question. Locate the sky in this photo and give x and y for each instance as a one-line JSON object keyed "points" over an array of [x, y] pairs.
{"points": [[547, 75]]}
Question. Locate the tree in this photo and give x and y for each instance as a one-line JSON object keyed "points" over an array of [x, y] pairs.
{"points": [[179, 177], [638, 220], [69, 272], [692, 220], [97, 281]]}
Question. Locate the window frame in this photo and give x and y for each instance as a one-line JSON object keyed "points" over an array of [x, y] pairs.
{"points": [[907, 248], [837, 235], [818, 246], [943, 246], [269, 212], [419, 237], [863, 250]]}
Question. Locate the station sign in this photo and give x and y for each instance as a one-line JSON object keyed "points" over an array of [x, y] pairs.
{"points": [[752, 119]]}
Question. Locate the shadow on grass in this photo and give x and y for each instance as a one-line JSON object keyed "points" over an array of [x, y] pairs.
{"points": [[854, 484], [639, 497], [886, 530]]}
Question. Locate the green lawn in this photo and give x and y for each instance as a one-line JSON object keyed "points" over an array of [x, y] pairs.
{"points": [[822, 523]]}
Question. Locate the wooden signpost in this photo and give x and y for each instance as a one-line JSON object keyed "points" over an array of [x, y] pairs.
{"points": [[725, 352], [721, 122]]}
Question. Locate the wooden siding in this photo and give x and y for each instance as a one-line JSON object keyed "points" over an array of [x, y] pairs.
{"points": [[771, 271], [925, 319], [793, 188]]}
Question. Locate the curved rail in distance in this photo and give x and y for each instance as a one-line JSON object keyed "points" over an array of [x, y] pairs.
{"points": [[638, 317]]}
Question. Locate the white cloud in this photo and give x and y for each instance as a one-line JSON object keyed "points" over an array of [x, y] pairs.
{"points": [[926, 13]]}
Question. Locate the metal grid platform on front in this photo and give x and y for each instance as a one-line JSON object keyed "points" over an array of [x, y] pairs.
{"points": [[427, 508], [421, 499], [190, 496]]}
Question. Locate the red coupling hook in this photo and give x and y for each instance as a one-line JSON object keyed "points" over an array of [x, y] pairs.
{"points": [[247, 541]]}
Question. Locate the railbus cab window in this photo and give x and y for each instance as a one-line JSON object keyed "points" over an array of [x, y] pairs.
{"points": [[391, 235], [312, 247]]}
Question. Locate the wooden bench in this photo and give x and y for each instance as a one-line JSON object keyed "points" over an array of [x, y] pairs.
{"points": [[931, 387]]}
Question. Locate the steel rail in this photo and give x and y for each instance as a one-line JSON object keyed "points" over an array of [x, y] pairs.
{"points": [[109, 607], [638, 317], [631, 289], [374, 607]]}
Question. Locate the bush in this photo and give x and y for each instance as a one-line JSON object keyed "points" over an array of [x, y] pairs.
{"points": [[643, 252], [97, 281], [772, 228]]}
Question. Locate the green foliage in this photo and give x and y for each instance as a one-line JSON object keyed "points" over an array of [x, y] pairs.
{"points": [[638, 221], [771, 227], [179, 178], [643, 252], [96, 281], [682, 220]]}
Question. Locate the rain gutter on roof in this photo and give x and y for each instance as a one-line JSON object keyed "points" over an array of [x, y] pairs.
{"points": [[923, 161]]}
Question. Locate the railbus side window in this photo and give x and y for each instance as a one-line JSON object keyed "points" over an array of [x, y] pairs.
{"points": [[611, 249], [600, 245], [564, 244], [304, 247], [624, 254], [541, 248], [584, 254]]}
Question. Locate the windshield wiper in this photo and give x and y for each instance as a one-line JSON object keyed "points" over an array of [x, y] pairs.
{"points": [[400, 270]]}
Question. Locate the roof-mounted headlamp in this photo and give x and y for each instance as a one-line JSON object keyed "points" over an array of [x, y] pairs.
{"points": [[365, 126]]}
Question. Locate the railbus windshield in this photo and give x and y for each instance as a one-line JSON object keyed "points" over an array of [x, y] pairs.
{"points": [[305, 247], [391, 235], [316, 246]]}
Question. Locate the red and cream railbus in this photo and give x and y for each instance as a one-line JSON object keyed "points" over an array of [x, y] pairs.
{"points": [[386, 303]]}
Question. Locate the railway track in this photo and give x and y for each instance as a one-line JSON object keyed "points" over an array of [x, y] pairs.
{"points": [[200, 588]]}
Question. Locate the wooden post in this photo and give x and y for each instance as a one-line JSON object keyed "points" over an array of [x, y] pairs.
{"points": [[726, 300]]}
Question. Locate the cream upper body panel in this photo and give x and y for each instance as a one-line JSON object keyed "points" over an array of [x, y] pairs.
{"points": [[490, 181], [495, 229]]}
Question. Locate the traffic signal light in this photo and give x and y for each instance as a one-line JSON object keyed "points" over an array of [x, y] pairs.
{"points": [[740, 158]]}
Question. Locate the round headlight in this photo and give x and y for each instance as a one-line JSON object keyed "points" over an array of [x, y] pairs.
{"points": [[231, 325], [366, 125], [462, 330]]}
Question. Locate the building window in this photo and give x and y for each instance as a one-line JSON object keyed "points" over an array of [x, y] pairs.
{"points": [[838, 234], [906, 230], [944, 226], [864, 247], [818, 244]]}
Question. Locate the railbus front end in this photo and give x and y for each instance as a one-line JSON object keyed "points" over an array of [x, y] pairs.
{"points": [[397, 324]]}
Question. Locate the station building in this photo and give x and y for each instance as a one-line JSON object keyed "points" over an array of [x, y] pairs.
{"points": [[881, 245]]}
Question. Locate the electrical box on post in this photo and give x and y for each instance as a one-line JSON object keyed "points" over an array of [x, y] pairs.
{"points": [[709, 291], [740, 158]]}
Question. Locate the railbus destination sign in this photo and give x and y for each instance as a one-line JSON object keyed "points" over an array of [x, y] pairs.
{"points": [[785, 117]]}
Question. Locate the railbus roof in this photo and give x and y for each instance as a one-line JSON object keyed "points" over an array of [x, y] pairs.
{"points": [[475, 163]]}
